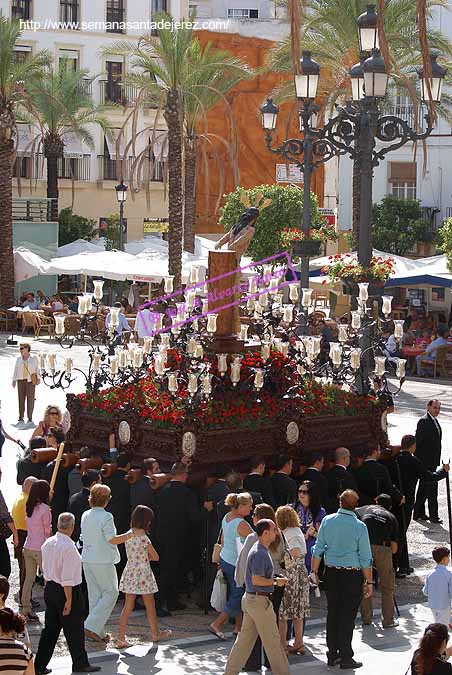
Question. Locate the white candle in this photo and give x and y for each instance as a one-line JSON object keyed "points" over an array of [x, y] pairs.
{"points": [[259, 378], [356, 320], [194, 274], [199, 352], [114, 316], [342, 333], [59, 324], [336, 353], [173, 385], [205, 305], [398, 328], [159, 363], [51, 360], [191, 346], [306, 297], [252, 284], [96, 362], [190, 300], [277, 343], [222, 363], [164, 340], [114, 365], [42, 360], [89, 301], [293, 292], [380, 365], [122, 358], [175, 330], [148, 345], [180, 311], [194, 324], [278, 298], [212, 323], [192, 383], [250, 304], [301, 370], [363, 291], [401, 363], [288, 313], [243, 331], [82, 308], [68, 365], [98, 289], [273, 286], [138, 358], [169, 284], [316, 345], [235, 371], [355, 358], [263, 299], [308, 344], [265, 351], [206, 383], [158, 318], [284, 348], [387, 304]]}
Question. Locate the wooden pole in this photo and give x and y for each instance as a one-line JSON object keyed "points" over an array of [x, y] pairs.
{"points": [[57, 466]]}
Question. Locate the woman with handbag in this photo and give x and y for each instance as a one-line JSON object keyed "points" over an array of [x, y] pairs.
{"points": [[311, 514], [234, 530], [26, 377], [295, 602]]}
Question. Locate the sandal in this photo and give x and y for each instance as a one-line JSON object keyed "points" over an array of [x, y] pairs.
{"points": [[294, 649], [122, 644], [163, 635], [217, 633]]}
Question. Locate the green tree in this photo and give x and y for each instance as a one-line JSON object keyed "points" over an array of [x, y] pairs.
{"points": [[285, 210], [73, 227], [13, 76], [398, 225], [329, 30], [112, 233], [445, 241], [60, 104]]}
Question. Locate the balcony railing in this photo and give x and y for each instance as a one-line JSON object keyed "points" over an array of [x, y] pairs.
{"points": [[29, 167], [113, 169], [21, 9], [32, 210], [407, 114], [112, 91], [76, 168]]}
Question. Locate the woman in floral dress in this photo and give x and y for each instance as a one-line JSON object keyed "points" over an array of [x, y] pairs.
{"points": [[137, 578], [295, 602]]}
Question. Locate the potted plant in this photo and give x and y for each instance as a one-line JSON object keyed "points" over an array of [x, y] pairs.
{"points": [[302, 244], [347, 269]]}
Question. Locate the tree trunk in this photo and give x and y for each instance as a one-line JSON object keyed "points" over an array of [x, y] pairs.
{"points": [[356, 210], [52, 185], [6, 225], [173, 118], [189, 194]]}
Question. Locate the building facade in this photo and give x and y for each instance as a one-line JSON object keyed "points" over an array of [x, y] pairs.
{"points": [[80, 31]]}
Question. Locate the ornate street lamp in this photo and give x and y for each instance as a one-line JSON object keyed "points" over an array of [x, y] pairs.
{"points": [[368, 29], [435, 82], [307, 81], [121, 196]]}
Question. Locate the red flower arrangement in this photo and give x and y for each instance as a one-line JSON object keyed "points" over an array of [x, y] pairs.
{"points": [[229, 406], [346, 267]]}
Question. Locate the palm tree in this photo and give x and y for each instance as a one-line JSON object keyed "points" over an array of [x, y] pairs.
{"points": [[164, 74], [60, 104], [213, 73], [329, 30], [13, 75]]}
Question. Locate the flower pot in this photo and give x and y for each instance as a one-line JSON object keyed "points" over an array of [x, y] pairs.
{"points": [[308, 247], [375, 289]]}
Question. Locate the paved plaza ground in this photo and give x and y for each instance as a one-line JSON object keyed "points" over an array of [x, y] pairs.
{"points": [[192, 650]]}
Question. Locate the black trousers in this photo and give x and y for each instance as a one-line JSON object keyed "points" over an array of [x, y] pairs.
{"points": [[426, 491], [72, 625], [255, 659], [343, 593], [404, 519], [5, 560], [172, 569]]}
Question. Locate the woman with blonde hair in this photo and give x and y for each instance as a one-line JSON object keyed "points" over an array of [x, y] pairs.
{"points": [[235, 529], [53, 417], [295, 602]]}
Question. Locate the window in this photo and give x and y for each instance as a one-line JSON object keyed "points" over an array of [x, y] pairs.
{"points": [[70, 57], [116, 14], [438, 294], [158, 6], [113, 89], [70, 13], [21, 53], [243, 14], [21, 9], [402, 179]]}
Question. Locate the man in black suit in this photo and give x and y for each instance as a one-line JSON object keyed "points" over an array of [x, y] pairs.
{"points": [[178, 514], [284, 487], [256, 482], [215, 496], [78, 503], [428, 450], [406, 470], [339, 479], [141, 491], [373, 479], [119, 504], [314, 474]]}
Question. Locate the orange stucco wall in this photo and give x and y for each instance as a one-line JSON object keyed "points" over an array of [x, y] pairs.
{"points": [[255, 163]]}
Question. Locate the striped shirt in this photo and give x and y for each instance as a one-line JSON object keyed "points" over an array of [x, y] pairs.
{"points": [[14, 656]]}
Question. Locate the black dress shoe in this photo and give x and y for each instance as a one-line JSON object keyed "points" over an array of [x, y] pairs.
{"points": [[400, 575], [350, 663], [87, 669], [420, 516], [45, 671], [162, 613], [335, 661], [438, 521]]}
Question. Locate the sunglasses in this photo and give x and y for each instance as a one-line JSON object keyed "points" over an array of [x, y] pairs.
{"points": [[53, 412], [303, 492]]}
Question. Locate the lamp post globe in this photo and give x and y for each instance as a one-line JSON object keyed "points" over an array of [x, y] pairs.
{"points": [[375, 75], [269, 112], [357, 80], [307, 81], [121, 196], [368, 29], [438, 73]]}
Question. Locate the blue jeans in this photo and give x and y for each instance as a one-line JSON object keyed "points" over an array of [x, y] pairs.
{"points": [[234, 604]]}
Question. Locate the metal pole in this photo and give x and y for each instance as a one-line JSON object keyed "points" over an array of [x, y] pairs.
{"points": [[366, 145], [121, 226], [306, 222]]}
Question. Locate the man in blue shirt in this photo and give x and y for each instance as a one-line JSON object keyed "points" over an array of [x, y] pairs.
{"points": [[430, 353], [258, 614], [31, 302], [343, 542], [122, 325]]}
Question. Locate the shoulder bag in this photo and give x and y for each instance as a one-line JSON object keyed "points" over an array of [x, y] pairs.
{"points": [[5, 532], [217, 548], [289, 561]]}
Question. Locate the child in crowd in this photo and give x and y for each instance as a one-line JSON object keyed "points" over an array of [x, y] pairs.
{"points": [[425, 339], [137, 578], [438, 586], [4, 592]]}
